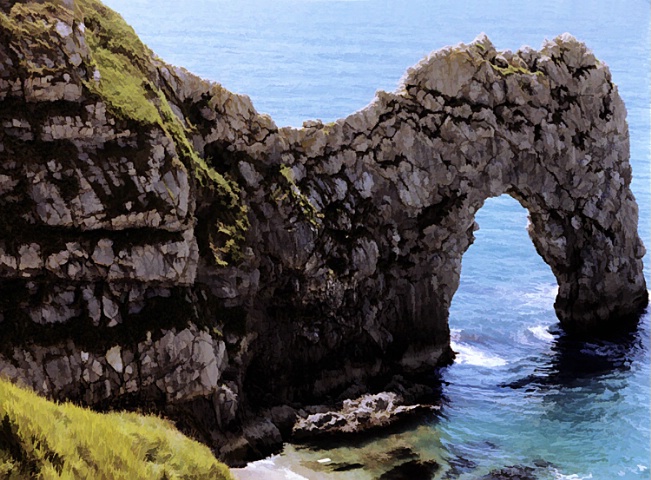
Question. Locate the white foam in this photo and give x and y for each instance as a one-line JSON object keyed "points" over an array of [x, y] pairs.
{"points": [[455, 334], [473, 356], [542, 296], [541, 332], [267, 469], [560, 476]]}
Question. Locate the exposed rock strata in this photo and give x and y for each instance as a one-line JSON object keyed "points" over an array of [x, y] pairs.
{"points": [[162, 243]]}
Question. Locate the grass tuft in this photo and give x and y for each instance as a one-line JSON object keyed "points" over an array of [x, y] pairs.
{"points": [[48, 440], [123, 63], [121, 84]]}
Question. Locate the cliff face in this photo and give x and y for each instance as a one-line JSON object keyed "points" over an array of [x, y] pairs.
{"points": [[161, 243]]}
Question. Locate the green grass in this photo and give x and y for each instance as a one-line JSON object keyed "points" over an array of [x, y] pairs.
{"points": [[123, 63], [48, 440], [126, 82], [122, 86]]}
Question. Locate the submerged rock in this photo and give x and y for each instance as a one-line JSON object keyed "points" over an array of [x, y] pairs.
{"points": [[346, 467], [411, 470], [514, 472]]}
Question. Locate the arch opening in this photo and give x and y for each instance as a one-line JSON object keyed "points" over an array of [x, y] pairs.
{"points": [[506, 290]]}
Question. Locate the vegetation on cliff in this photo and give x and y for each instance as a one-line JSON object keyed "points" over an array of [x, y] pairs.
{"points": [[43, 439], [116, 67], [128, 82]]}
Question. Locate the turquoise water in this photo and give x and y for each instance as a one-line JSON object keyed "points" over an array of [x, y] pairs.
{"points": [[519, 392]]}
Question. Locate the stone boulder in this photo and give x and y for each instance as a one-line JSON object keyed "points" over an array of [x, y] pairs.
{"points": [[361, 415]]}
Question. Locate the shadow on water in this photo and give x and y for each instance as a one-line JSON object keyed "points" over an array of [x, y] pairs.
{"points": [[578, 362]]}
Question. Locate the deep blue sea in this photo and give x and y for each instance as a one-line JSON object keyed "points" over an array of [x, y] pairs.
{"points": [[519, 392]]}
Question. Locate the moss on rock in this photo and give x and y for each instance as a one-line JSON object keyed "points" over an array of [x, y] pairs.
{"points": [[122, 62], [128, 84]]}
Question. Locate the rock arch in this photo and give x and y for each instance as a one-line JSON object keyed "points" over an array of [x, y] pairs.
{"points": [[395, 188]]}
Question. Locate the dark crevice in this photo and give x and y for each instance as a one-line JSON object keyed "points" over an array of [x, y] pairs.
{"points": [[434, 214]]}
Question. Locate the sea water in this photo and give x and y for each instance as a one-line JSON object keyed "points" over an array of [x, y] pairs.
{"points": [[519, 393]]}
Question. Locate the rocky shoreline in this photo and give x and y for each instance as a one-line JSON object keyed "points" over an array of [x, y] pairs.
{"points": [[165, 247]]}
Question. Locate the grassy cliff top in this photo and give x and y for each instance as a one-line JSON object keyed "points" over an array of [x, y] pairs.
{"points": [[44, 439]]}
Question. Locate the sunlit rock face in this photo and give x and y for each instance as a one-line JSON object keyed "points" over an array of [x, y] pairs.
{"points": [[162, 243]]}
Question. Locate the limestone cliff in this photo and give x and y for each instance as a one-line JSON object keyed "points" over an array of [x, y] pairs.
{"points": [[163, 244]]}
